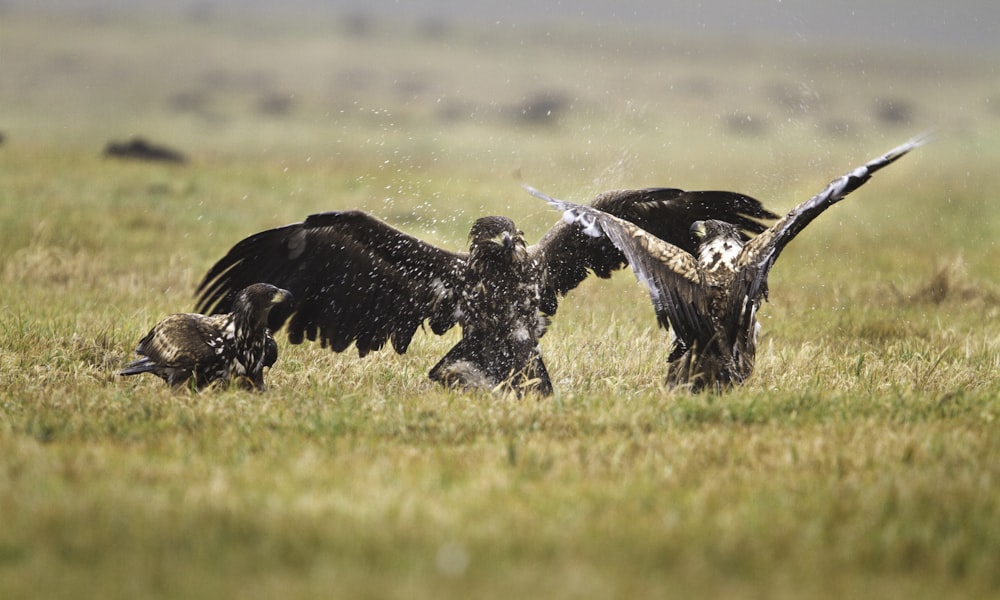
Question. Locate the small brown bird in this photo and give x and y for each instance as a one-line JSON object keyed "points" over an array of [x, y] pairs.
{"points": [[233, 346]]}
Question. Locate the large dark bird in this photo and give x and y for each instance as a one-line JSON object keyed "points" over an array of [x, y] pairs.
{"points": [[709, 299], [357, 279], [233, 346]]}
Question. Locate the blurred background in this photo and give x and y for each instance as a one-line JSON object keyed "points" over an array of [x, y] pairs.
{"points": [[574, 96], [963, 25]]}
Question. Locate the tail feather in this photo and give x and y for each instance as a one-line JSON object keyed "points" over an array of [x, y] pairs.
{"points": [[460, 366], [143, 365]]}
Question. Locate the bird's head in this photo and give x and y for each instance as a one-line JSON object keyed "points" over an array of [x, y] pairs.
{"points": [[718, 242], [256, 301], [496, 236], [711, 229]]}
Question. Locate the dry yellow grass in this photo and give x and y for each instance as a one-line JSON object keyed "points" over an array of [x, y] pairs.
{"points": [[859, 461]]}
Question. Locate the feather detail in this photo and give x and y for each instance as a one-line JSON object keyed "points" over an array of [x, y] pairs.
{"points": [[208, 349]]}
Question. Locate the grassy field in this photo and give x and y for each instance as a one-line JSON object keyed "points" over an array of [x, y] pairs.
{"points": [[862, 459]]}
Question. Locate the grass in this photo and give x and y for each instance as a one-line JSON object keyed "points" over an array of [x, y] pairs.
{"points": [[860, 460]]}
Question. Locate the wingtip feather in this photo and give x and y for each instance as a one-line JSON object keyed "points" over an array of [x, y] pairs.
{"points": [[909, 145], [553, 202]]}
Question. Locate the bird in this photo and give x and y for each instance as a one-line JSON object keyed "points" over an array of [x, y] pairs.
{"points": [[201, 350], [359, 280], [708, 299]]}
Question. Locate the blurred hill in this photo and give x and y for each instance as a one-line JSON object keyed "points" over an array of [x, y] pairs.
{"points": [[598, 93], [964, 26]]}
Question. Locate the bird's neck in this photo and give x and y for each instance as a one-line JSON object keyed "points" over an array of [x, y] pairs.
{"points": [[721, 252], [246, 323]]}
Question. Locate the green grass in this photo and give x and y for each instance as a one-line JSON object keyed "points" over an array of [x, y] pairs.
{"points": [[862, 459]]}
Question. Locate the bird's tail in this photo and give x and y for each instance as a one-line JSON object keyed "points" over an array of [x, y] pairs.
{"points": [[461, 367], [143, 365]]}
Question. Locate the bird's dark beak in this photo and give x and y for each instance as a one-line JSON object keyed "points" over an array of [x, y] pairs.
{"points": [[507, 241], [698, 229]]}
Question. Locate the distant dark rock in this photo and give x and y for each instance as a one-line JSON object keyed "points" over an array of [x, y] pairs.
{"points": [[793, 98], [275, 104], [541, 108], [188, 101], [138, 148], [452, 111], [434, 28], [746, 124], [358, 24], [891, 111]]}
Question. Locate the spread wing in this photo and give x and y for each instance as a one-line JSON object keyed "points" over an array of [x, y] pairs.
{"points": [[670, 274], [665, 213], [354, 278], [668, 213], [758, 255]]}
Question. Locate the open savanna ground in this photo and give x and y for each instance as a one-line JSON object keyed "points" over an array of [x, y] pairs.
{"points": [[862, 459]]}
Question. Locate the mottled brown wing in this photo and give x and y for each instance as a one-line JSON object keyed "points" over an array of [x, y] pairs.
{"points": [[758, 255], [354, 279], [670, 274], [184, 341], [666, 213]]}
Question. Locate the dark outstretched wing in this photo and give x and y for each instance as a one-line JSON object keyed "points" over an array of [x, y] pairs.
{"points": [[758, 255], [354, 279], [671, 274], [666, 213]]}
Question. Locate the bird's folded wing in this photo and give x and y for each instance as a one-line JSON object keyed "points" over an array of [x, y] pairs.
{"points": [[184, 341]]}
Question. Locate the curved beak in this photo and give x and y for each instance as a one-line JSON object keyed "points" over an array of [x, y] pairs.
{"points": [[281, 296], [698, 229]]}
